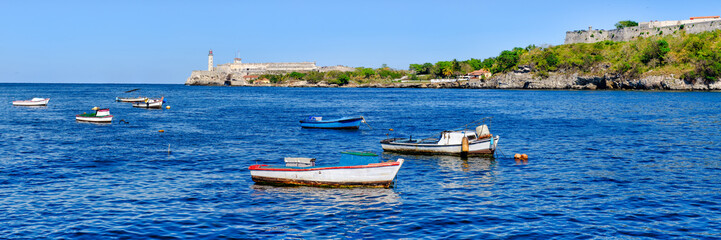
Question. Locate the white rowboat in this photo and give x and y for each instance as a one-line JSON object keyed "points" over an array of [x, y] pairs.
{"points": [[352, 172], [135, 99], [32, 102], [149, 103]]}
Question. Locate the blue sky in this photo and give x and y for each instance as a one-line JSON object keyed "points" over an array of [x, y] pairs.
{"points": [[163, 41]]}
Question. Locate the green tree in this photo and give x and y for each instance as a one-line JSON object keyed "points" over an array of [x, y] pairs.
{"points": [[475, 63], [367, 72], [507, 60], [296, 75], [439, 70], [655, 50], [487, 63], [342, 79], [455, 66], [625, 23]]}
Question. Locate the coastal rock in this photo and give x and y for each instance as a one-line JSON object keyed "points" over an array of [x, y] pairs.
{"points": [[208, 78], [519, 79]]}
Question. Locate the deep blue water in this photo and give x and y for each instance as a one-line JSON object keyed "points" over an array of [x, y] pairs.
{"points": [[606, 164]]}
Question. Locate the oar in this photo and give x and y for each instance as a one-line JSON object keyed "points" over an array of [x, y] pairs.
{"points": [[364, 121]]}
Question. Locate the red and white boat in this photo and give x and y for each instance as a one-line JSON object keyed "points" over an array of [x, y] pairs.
{"points": [[99, 116], [32, 102], [356, 169]]}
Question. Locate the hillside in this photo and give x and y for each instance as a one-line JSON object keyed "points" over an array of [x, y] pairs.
{"points": [[691, 57]]}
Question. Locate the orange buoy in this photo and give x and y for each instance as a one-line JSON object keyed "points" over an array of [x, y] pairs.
{"points": [[167, 107], [517, 156], [524, 157], [161, 130], [464, 145]]}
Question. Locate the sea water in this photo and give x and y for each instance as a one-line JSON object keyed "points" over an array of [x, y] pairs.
{"points": [[604, 164]]}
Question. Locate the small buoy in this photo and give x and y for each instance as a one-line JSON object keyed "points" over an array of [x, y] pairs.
{"points": [[390, 129], [167, 107], [161, 130], [524, 157], [517, 156], [94, 108]]}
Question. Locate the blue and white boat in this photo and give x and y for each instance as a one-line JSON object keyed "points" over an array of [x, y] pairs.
{"points": [[452, 142], [338, 123]]}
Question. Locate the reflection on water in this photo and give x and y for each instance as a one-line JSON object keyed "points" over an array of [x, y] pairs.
{"points": [[31, 107], [454, 163], [361, 197]]}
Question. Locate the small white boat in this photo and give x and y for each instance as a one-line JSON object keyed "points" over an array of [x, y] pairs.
{"points": [[356, 169], [135, 99], [32, 102], [99, 116], [149, 103], [458, 142]]}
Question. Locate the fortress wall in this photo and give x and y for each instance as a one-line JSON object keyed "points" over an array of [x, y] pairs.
{"points": [[630, 33]]}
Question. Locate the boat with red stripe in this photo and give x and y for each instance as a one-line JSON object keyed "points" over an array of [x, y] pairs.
{"points": [[355, 169]]}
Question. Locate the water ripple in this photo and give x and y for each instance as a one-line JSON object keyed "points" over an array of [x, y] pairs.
{"points": [[603, 164]]}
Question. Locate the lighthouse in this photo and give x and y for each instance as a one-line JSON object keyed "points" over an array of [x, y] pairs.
{"points": [[210, 60]]}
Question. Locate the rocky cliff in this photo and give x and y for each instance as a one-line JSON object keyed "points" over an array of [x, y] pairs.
{"points": [[526, 80], [521, 79], [208, 78]]}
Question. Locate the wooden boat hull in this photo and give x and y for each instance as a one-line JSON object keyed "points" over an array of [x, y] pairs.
{"points": [[371, 175], [342, 123], [475, 147], [43, 102], [103, 119]]}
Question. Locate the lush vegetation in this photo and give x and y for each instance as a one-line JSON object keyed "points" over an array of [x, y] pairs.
{"points": [[692, 57], [626, 23], [360, 75], [689, 56]]}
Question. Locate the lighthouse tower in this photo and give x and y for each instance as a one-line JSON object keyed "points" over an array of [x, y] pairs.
{"points": [[210, 60]]}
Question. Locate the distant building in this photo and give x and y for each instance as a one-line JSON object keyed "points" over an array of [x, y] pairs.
{"points": [[239, 73], [250, 77], [336, 68], [478, 74], [262, 81], [243, 69]]}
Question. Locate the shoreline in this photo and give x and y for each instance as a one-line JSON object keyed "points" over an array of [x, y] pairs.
{"points": [[514, 80]]}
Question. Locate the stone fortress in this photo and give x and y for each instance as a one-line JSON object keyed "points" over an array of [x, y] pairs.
{"points": [[645, 29], [238, 73]]}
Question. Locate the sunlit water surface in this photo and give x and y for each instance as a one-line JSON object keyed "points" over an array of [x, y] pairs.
{"points": [[602, 164]]}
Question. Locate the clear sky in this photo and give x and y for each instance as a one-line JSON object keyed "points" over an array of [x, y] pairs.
{"points": [[163, 41]]}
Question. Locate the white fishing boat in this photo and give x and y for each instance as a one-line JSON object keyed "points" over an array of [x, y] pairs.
{"points": [[356, 169], [99, 116], [32, 102], [453, 142], [131, 99], [149, 103]]}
